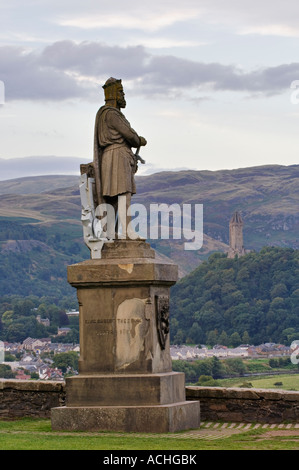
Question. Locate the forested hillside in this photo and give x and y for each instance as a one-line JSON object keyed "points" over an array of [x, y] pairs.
{"points": [[34, 257], [18, 318], [251, 299]]}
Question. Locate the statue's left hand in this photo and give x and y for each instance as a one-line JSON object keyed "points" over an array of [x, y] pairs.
{"points": [[142, 141]]}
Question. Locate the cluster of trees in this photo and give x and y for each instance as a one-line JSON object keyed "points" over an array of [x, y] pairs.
{"points": [[252, 299], [18, 318], [206, 371], [211, 367], [6, 372], [66, 361]]}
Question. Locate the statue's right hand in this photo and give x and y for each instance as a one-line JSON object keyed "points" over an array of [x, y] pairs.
{"points": [[142, 141]]}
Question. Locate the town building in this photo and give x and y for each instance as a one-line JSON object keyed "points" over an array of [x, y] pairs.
{"points": [[43, 321]]}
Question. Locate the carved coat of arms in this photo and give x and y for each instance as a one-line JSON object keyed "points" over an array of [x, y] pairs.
{"points": [[162, 312]]}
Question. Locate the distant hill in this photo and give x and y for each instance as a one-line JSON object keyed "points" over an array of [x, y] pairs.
{"points": [[266, 196], [12, 168], [48, 209], [37, 184]]}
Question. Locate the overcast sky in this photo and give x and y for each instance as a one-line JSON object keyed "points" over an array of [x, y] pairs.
{"points": [[207, 82]]}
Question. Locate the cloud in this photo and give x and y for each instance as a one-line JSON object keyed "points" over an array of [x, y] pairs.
{"points": [[162, 42], [94, 58], [271, 30], [152, 21], [269, 17], [166, 73], [25, 77], [71, 18], [133, 15], [68, 70]]}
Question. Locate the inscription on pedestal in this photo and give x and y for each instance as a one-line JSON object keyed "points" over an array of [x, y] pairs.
{"points": [[128, 326], [102, 325]]}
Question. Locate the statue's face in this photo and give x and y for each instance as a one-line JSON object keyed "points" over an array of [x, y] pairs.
{"points": [[120, 98]]}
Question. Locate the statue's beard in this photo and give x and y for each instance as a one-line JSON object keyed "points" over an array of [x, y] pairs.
{"points": [[122, 103]]}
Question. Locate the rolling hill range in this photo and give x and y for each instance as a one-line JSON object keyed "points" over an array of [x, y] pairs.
{"points": [[267, 197], [37, 184], [47, 209]]}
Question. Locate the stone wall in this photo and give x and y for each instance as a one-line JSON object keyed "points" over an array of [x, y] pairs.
{"points": [[22, 398], [245, 405]]}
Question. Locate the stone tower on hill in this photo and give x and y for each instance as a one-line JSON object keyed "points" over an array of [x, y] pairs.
{"points": [[236, 246]]}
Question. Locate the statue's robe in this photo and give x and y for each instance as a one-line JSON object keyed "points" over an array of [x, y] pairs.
{"points": [[114, 161]]}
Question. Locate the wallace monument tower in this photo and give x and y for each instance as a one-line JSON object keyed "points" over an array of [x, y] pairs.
{"points": [[125, 380]]}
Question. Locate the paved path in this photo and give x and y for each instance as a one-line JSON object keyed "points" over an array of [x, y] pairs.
{"points": [[207, 431], [210, 430], [216, 430]]}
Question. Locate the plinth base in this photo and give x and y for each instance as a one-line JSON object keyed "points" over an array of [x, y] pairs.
{"points": [[125, 390], [150, 419], [125, 381]]}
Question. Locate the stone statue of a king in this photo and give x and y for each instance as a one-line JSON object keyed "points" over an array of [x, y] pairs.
{"points": [[114, 162], [108, 182]]}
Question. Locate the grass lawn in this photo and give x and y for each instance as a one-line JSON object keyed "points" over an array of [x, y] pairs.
{"points": [[36, 434]]}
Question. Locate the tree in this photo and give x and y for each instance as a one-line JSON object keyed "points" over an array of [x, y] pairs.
{"points": [[6, 372], [223, 338], [212, 338], [217, 368], [71, 337], [246, 338], [34, 375], [236, 366], [195, 333], [273, 363], [206, 381], [210, 317], [7, 317], [15, 333], [65, 360], [235, 339], [9, 357], [23, 307], [179, 337], [279, 290]]}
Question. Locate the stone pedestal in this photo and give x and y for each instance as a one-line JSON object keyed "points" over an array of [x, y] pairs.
{"points": [[125, 380]]}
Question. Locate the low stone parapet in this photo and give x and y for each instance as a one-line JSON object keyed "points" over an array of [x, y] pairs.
{"points": [[24, 398], [36, 398], [245, 405]]}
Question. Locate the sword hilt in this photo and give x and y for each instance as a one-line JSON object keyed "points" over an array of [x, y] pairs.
{"points": [[138, 157]]}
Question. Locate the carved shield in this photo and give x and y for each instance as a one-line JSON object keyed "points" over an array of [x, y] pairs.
{"points": [[162, 313]]}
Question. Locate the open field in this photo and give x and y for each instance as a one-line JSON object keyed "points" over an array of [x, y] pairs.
{"points": [[282, 381], [36, 434]]}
